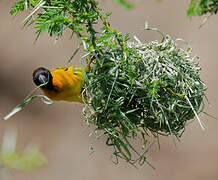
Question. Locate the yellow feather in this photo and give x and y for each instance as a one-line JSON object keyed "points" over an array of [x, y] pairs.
{"points": [[68, 84]]}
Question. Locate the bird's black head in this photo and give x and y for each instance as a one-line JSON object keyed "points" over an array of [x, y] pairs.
{"points": [[43, 76]]}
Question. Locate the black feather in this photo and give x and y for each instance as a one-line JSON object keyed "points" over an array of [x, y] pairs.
{"points": [[43, 76]]}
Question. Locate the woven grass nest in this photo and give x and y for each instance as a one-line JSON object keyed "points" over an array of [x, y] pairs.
{"points": [[155, 88]]}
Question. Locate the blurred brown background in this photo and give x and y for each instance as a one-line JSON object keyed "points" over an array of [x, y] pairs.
{"points": [[60, 128]]}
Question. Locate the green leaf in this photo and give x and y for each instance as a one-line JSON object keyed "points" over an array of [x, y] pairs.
{"points": [[18, 6], [75, 52], [125, 148], [201, 7], [154, 87], [29, 159], [18, 108], [108, 13], [124, 3], [118, 143]]}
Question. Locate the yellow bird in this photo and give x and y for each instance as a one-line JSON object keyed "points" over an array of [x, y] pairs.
{"points": [[61, 84]]}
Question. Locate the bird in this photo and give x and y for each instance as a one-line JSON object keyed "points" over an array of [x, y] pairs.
{"points": [[62, 83]]}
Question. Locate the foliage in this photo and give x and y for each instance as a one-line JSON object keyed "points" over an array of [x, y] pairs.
{"points": [[26, 101], [124, 3], [201, 7], [27, 159]]}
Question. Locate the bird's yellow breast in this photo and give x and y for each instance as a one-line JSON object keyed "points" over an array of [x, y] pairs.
{"points": [[68, 84]]}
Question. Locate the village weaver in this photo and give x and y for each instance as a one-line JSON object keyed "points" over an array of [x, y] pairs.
{"points": [[61, 84]]}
